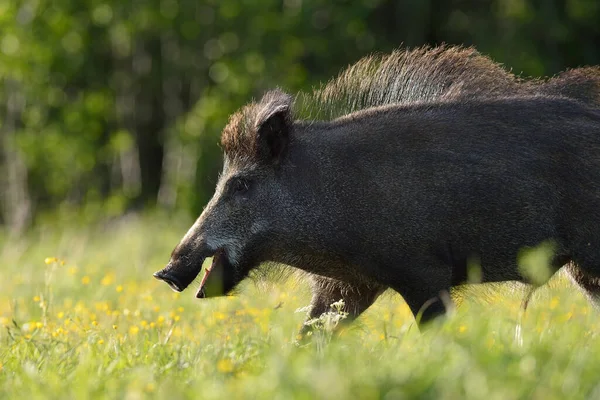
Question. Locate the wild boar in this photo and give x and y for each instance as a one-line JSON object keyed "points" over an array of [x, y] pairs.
{"points": [[411, 164]]}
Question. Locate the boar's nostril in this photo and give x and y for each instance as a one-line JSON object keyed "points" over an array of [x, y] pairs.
{"points": [[170, 280]]}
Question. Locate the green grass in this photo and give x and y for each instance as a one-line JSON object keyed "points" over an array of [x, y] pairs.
{"points": [[100, 326]]}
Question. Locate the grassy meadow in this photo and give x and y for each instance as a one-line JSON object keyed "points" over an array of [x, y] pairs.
{"points": [[82, 318]]}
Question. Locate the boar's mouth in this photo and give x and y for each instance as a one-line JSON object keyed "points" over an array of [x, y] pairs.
{"points": [[219, 266], [180, 278]]}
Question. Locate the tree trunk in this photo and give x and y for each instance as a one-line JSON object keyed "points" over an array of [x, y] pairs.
{"points": [[150, 122], [15, 200]]}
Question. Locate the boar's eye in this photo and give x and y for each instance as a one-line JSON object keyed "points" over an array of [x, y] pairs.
{"points": [[240, 186]]}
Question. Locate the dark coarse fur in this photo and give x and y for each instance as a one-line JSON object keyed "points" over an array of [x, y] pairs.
{"points": [[429, 157]]}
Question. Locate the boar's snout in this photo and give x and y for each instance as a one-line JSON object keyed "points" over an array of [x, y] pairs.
{"points": [[166, 275], [184, 266], [178, 276]]}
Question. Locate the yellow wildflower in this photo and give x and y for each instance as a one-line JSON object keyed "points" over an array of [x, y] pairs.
{"points": [[107, 280], [134, 330], [568, 315], [225, 365], [219, 315], [50, 260], [100, 342], [119, 289], [36, 299], [85, 280]]}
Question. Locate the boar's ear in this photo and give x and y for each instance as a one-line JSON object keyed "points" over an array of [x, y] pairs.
{"points": [[273, 126]]}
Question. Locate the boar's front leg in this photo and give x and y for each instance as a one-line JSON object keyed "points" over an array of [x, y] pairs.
{"points": [[426, 290], [357, 298]]}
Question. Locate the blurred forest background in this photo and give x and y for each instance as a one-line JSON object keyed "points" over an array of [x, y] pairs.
{"points": [[108, 106]]}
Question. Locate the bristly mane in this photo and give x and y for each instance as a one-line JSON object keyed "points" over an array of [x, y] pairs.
{"points": [[407, 76], [434, 74]]}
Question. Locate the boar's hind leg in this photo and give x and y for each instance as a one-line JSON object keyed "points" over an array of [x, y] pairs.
{"points": [[590, 285], [357, 297]]}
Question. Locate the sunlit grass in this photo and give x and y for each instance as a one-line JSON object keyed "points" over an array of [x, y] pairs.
{"points": [[82, 317]]}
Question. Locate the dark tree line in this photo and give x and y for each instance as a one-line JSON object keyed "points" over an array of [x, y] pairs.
{"points": [[119, 104]]}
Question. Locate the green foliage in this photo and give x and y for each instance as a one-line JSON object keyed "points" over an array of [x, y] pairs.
{"points": [[535, 263], [99, 326], [121, 103]]}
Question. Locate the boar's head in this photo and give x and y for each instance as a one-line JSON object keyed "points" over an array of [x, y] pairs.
{"points": [[236, 223]]}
